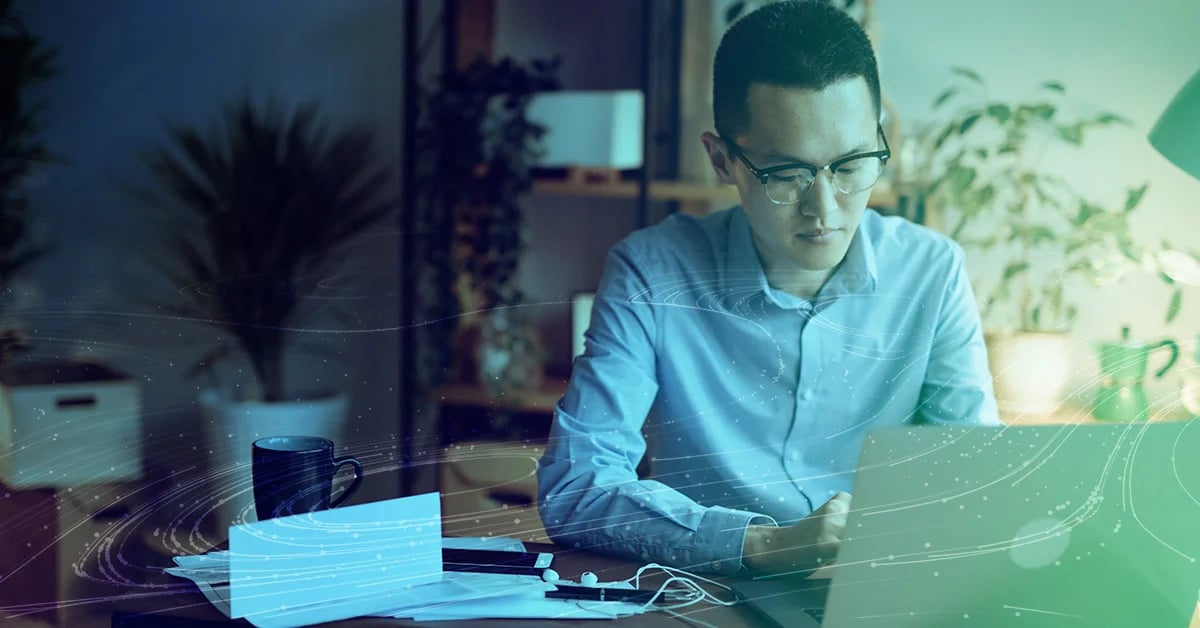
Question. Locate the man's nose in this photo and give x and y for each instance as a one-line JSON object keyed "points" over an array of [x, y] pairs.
{"points": [[821, 200]]}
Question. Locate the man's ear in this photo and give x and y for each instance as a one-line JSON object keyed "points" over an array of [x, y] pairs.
{"points": [[719, 157]]}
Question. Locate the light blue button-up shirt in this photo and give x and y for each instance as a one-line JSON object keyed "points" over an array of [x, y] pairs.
{"points": [[750, 403]]}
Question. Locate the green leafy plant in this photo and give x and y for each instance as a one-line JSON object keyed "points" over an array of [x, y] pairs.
{"points": [[999, 194], [24, 62], [476, 152], [255, 214]]}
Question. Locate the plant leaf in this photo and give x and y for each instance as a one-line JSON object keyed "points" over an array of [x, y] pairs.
{"points": [[1014, 269], [967, 123], [1175, 305], [1000, 111], [1045, 111], [1071, 133], [968, 73], [1086, 211], [959, 179], [944, 96], [1054, 86], [1038, 234], [1129, 249], [1109, 223], [1134, 197]]}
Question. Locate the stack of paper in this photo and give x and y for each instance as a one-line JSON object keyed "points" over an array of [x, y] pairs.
{"points": [[381, 559], [210, 572]]}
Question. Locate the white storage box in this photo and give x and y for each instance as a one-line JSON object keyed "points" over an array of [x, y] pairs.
{"points": [[590, 129], [69, 424]]}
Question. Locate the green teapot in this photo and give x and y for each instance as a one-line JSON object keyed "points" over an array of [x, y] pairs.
{"points": [[1123, 368]]}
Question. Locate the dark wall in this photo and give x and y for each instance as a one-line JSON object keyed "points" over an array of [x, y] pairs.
{"points": [[127, 67]]}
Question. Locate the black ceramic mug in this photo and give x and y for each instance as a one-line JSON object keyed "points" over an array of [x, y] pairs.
{"points": [[294, 475]]}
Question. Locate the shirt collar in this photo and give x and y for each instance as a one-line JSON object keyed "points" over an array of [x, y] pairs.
{"points": [[857, 274]]}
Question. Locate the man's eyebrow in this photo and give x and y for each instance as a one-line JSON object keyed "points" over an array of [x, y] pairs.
{"points": [[773, 155]]}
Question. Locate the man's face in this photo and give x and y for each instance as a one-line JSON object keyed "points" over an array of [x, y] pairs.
{"points": [[791, 125]]}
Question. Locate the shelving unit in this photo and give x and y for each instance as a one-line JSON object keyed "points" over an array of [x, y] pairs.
{"points": [[658, 191], [692, 196], [470, 395]]}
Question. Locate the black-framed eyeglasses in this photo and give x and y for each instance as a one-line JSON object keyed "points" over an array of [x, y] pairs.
{"points": [[788, 183]]}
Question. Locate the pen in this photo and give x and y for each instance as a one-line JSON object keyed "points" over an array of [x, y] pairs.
{"points": [[601, 594]]}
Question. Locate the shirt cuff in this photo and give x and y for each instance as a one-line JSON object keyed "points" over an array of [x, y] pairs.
{"points": [[723, 533]]}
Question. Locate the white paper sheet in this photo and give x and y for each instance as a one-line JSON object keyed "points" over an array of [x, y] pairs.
{"points": [[335, 564], [466, 587]]}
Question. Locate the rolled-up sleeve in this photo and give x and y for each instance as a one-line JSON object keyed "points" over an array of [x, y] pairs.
{"points": [[958, 384], [589, 494]]}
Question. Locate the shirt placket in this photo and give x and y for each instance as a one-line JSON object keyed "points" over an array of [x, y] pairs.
{"points": [[805, 400]]}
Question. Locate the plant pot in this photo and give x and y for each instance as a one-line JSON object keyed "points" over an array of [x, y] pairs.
{"points": [[1030, 370], [232, 426]]}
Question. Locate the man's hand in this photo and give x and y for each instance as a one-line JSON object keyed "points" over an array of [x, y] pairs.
{"points": [[811, 543]]}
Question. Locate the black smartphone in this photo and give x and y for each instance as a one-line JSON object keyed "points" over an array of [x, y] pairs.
{"points": [[492, 561]]}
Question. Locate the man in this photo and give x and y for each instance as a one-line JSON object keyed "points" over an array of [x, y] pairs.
{"points": [[763, 341]]}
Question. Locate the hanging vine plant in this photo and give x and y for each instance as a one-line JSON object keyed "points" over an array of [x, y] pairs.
{"points": [[476, 149]]}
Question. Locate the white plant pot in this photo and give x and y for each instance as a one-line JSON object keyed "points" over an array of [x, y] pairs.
{"points": [[1030, 370], [231, 429]]}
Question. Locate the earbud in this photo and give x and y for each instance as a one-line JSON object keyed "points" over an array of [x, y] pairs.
{"points": [[550, 576], [588, 579]]}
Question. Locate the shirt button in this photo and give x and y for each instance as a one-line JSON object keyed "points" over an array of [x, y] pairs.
{"points": [[806, 395], [716, 566]]}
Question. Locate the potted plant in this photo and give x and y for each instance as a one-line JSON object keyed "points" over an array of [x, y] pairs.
{"points": [[26, 63], [254, 215], [997, 194], [478, 149]]}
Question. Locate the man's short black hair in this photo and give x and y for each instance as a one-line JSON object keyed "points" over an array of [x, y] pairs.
{"points": [[797, 43]]}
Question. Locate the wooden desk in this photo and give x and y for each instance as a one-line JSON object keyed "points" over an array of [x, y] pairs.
{"points": [[185, 607]]}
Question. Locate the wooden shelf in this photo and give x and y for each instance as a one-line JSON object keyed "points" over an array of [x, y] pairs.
{"points": [[684, 191], [542, 400], [659, 190]]}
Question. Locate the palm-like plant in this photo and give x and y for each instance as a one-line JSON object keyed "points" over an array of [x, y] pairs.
{"points": [[23, 62], [255, 215]]}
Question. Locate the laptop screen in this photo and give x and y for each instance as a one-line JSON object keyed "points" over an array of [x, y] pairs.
{"points": [[1065, 525]]}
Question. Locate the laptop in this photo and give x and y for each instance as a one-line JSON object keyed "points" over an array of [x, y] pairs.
{"points": [[784, 602], [1063, 525]]}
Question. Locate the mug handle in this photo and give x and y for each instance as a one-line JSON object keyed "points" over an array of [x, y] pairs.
{"points": [[1170, 344], [358, 477]]}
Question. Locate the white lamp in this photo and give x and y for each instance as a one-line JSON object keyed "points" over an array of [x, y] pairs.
{"points": [[1177, 133], [1177, 136]]}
